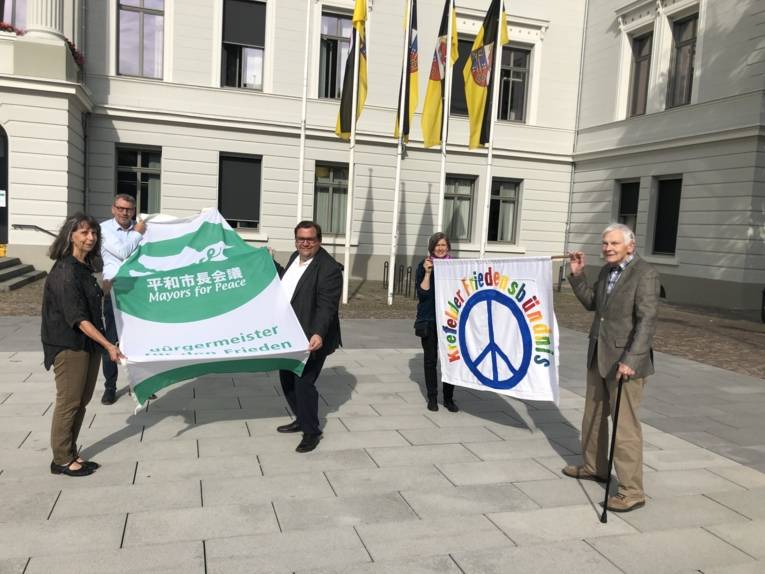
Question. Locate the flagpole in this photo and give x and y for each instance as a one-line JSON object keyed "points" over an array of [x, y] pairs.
{"points": [[399, 153], [445, 119], [494, 102], [304, 110], [351, 165]]}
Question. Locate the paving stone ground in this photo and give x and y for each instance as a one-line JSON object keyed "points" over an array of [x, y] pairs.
{"points": [[201, 482]]}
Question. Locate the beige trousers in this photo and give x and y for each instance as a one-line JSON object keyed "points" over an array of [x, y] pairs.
{"points": [[75, 373], [600, 402]]}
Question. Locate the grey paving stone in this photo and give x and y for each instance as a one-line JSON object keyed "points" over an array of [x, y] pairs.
{"points": [[746, 536], [318, 460], [431, 565], [159, 471], [547, 430], [671, 483], [564, 492], [362, 439], [684, 459], [22, 539], [430, 537], [176, 558], [141, 451], [513, 449], [757, 567], [388, 479], [24, 410], [465, 500], [449, 435], [170, 429], [446, 419], [342, 511], [387, 422], [750, 503], [285, 552], [571, 557], [114, 474], [680, 512], [742, 475], [562, 523], [163, 526], [264, 489], [26, 505], [668, 551], [13, 566], [495, 471], [347, 410], [126, 498], [427, 454]]}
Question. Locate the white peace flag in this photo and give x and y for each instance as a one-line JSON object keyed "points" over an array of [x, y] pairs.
{"points": [[496, 325]]}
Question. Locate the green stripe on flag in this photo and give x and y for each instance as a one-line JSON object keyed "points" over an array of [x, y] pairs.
{"points": [[147, 387]]}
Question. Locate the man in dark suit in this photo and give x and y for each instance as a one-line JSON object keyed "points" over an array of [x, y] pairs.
{"points": [[312, 281], [624, 299]]}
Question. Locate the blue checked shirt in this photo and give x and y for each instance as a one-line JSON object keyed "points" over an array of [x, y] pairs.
{"points": [[616, 272]]}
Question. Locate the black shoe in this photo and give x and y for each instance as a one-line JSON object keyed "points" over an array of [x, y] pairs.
{"points": [[451, 406], [291, 427], [64, 469], [91, 464], [432, 405], [109, 397], [309, 442]]}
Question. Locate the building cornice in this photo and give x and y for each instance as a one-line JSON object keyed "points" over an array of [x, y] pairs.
{"points": [[28, 84]]}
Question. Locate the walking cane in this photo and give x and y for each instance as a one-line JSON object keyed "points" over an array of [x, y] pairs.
{"points": [[604, 516]]}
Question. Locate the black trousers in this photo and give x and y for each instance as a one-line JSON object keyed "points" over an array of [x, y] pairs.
{"points": [[301, 393], [430, 349], [110, 326]]}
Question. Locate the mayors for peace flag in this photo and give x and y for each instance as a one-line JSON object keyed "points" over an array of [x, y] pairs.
{"points": [[496, 326], [195, 299]]}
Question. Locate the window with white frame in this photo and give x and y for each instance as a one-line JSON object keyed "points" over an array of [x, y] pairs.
{"points": [[141, 38], [14, 12], [239, 189], [681, 67], [331, 194], [503, 210], [458, 206], [641, 69], [138, 175], [514, 83], [244, 40], [335, 47]]}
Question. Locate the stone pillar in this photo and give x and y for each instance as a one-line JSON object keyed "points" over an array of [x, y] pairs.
{"points": [[46, 19]]}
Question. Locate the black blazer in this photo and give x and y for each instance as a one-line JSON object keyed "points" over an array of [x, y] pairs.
{"points": [[317, 298]]}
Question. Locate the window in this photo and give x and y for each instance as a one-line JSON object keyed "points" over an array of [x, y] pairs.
{"points": [[629, 193], [667, 216], [459, 102], [141, 38], [681, 65], [244, 40], [641, 67], [335, 47], [513, 84], [138, 174], [503, 210], [458, 206], [14, 12], [331, 195], [239, 190]]}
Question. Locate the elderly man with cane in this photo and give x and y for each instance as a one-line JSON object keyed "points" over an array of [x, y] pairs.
{"points": [[624, 299]]}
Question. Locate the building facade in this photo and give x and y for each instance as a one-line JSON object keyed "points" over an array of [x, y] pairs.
{"points": [[188, 104]]}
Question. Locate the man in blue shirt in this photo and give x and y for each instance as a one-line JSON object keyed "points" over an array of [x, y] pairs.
{"points": [[120, 237]]}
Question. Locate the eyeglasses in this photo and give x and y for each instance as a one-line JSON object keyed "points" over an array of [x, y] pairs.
{"points": [[124, 209], [308, 240]]}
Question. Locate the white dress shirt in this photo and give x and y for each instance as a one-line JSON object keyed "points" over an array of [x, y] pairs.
{"points": [[292, 276], [117, 244]]}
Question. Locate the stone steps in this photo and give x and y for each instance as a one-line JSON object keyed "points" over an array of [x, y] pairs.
{"points": [[15, 274]]}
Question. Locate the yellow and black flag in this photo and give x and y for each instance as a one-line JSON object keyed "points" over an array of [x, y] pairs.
{"points": [[411, 83], [478, 73], [358, 34], [433, 108]]}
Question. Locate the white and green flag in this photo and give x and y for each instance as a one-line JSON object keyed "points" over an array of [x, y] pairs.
{"points": [[195, 299]]}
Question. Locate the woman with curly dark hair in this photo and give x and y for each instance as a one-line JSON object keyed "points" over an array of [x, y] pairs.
{"points": [[439, 247], [72, 330]]}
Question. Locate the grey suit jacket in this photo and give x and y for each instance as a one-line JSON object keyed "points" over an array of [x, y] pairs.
{"points": [[625, 321]]}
